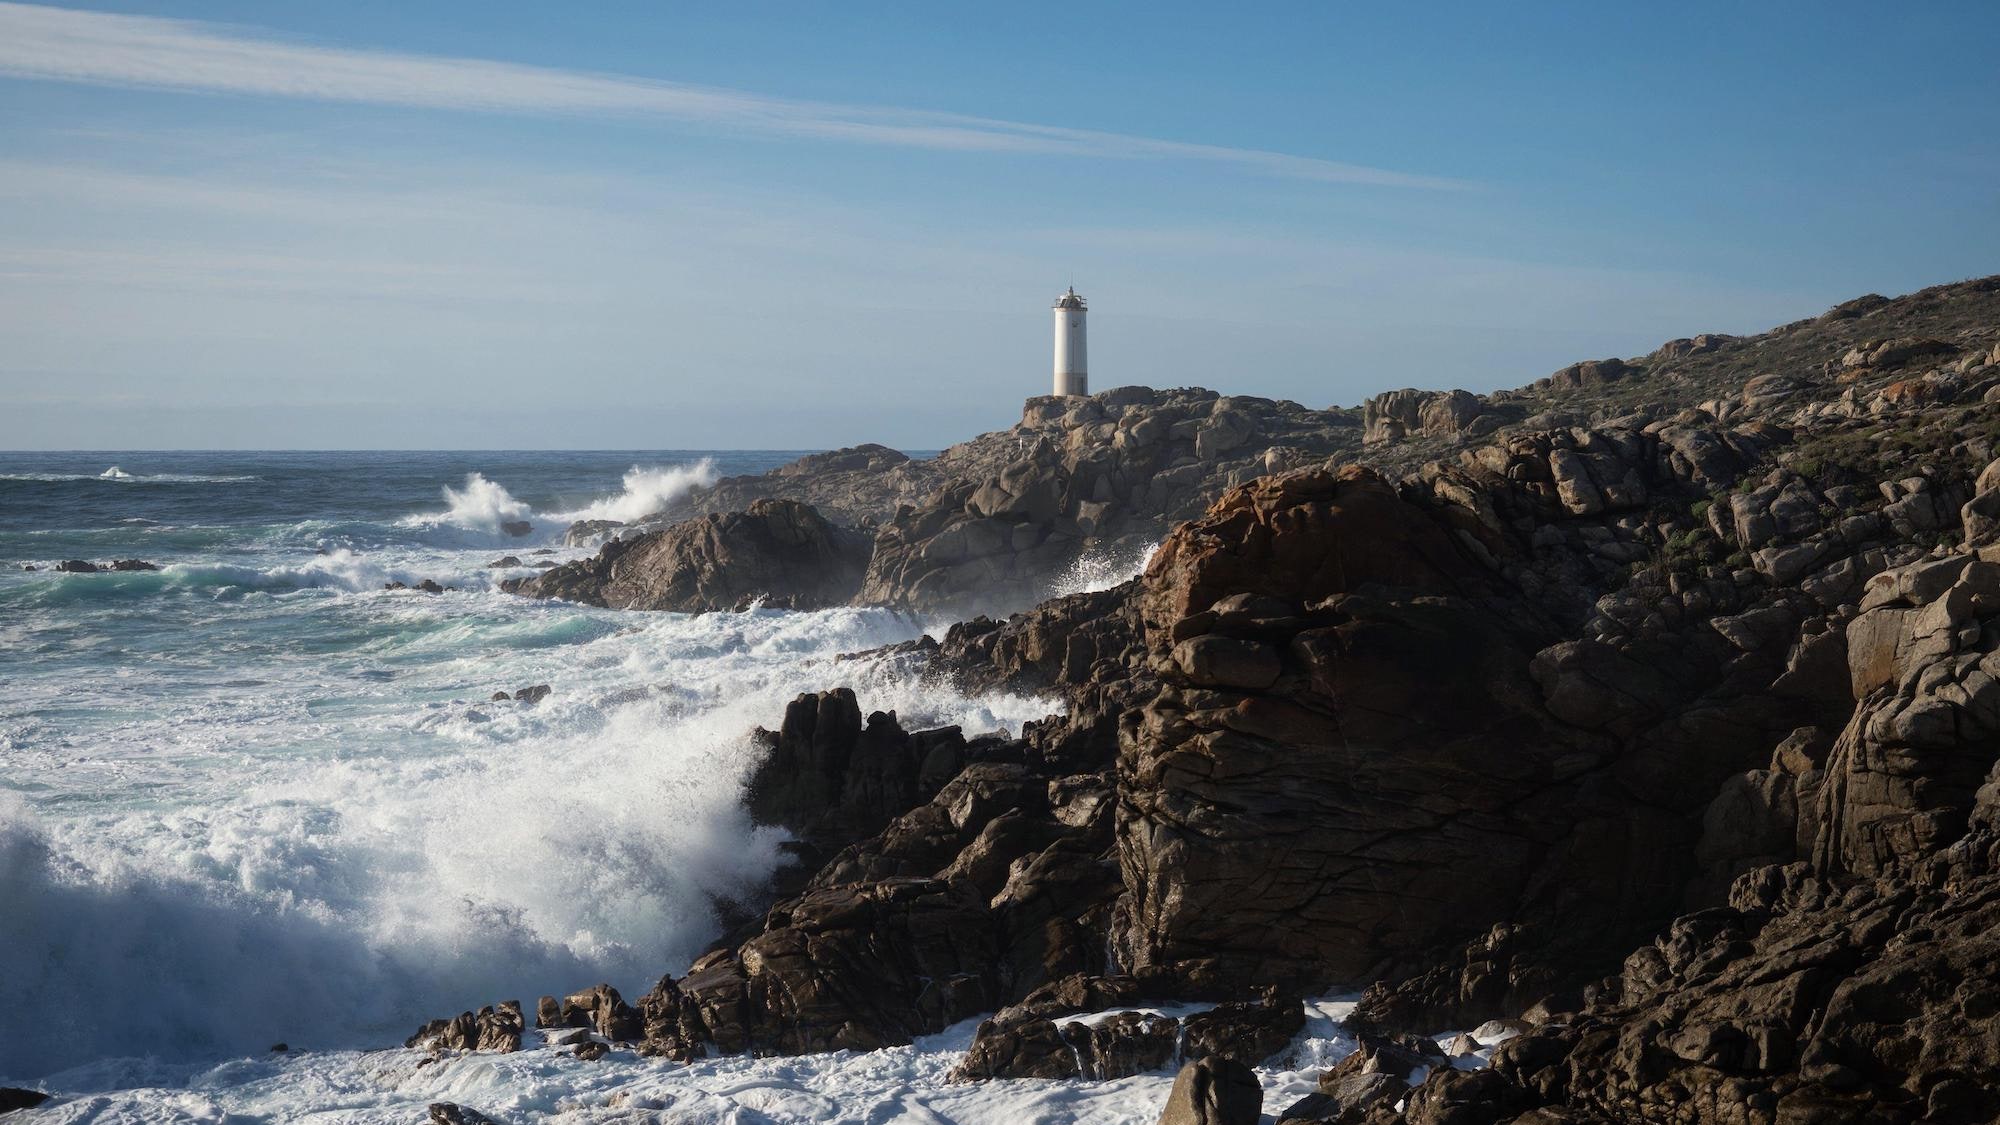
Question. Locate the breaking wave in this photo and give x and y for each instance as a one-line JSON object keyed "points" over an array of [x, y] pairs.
{"points": [[335, 856], [646, 491], [484, 505]]}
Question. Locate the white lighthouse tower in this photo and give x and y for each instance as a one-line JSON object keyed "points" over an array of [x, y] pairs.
{"points": [[1071, 378]]}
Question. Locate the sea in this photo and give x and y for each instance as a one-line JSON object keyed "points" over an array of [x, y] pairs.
{"points": [[259, 797]]}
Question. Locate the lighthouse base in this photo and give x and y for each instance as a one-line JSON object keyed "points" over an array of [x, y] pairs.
{"points": [[1072, 383]]}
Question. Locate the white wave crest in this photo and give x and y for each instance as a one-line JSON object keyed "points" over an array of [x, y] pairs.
{"points": [[118, 475], [482, 505], [646, 491]]}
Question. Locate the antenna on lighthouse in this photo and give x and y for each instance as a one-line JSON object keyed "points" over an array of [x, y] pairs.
{"points": [[1071, 377]]}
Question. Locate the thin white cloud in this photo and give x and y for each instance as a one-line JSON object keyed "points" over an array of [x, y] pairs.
{"points": [[59, 44]]}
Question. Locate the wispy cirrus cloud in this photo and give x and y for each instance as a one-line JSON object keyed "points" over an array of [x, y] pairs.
{"points": [[65, 45]]}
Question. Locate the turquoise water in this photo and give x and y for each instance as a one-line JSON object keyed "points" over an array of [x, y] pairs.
{"points": [[253, 796]]}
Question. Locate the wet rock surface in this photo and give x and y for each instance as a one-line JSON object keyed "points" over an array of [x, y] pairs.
{"points": [[85, 566]]}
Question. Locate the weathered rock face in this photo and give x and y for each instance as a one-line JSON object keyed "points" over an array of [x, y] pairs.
{"points": [[831, 780], [1340, 663], [1030, 1040], [1102, 476], [1396, 415], [1589, 373], [778, 552], [1856, 982], [856, 967], [1833, 985], [493, 1028]]}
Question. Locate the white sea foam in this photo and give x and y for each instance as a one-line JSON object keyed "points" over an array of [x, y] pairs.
{"points": [[357, 839], [481, 505], [542, 1084], [342, 569]]}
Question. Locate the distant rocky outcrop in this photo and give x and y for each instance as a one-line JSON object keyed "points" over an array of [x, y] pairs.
{"points": [[85, 566], [1100, 476], [779, 552], [1397, 415]]}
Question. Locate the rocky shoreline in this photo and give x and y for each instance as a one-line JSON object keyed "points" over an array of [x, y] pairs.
{"points": [[1653, 708]]}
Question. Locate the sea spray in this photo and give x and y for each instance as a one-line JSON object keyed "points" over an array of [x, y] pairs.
{"points": [[253, 796], [1101, 571], [481, 505], [484, 505], [411, 847], [647, 491]]}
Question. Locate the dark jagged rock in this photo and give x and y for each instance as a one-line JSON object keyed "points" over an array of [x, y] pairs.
{"points": [[451, 1113], [778, 552], [1213, 1091], [16, 1097], [427, 586], [84, 566], [1031, 1040], [853, 967], [831, 780], [506, 561], [604, 1011], [493, 1028]]}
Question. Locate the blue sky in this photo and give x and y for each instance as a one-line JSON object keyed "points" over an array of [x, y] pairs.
{"points": [[645, 225]]}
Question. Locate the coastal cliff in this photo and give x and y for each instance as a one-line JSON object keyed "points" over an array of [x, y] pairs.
{"points": [[1654, 707]]}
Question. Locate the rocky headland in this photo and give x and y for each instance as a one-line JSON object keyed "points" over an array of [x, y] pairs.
{"points": [[1645, 720]]}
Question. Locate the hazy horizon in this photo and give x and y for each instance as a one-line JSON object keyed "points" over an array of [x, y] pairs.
{"points": [[239, 226]]}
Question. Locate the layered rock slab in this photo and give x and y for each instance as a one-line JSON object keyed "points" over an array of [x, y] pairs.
{"points": [[778, 553]]}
